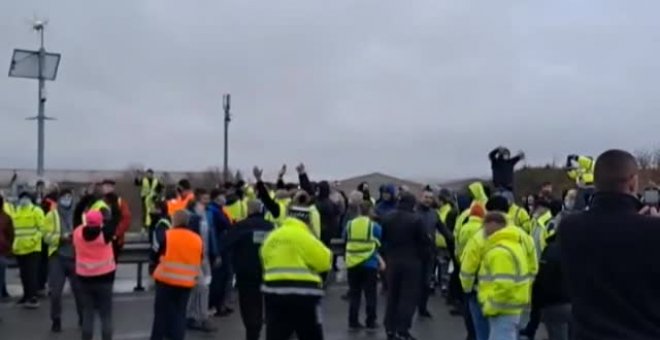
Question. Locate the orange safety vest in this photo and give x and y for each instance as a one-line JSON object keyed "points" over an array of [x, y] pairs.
{"points": [[93, 258], [181, 264], [179, 203]]}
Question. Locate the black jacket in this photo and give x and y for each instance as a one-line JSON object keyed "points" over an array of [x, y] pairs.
{"points": [[244, 241], [329, 213], [610, 257], [404, 235], [502, 169], [550, 286]]}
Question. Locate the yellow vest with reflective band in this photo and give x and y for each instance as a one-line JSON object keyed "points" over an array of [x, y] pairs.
{"points": [[440, 241], [471, 256], [148, 187], [540, 232], [28, 228], [520, 218], [505, 279], [360, 241], [238, 210], [292, 259], [52, 230]]}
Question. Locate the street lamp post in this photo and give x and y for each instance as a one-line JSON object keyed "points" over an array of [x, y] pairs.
{"points": [[226, 105], [42, 66]]}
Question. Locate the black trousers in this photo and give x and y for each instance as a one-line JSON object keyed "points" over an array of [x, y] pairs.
{"points": [[42, 276], [403, 279], [425, 284], [96, 298], [221, 278], [534, 321], [28, 265], [362, 280], [251, 303], [293, 314], [170, 312]]}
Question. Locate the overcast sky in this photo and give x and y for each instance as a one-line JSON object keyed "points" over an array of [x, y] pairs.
{"points": [[419, 89]]}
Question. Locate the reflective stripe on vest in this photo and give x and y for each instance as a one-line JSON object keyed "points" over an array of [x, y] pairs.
{"points": [[181, 264], [517, 277], [288, 270], [359, 248], [94, 265], [174, 270]]}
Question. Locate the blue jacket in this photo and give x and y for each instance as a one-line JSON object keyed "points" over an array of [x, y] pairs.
{"points": [[384, 207], [220, 223], [213, 250]]}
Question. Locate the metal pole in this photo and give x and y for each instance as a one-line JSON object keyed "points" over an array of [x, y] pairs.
{"points": [[226, 103], [41, 115]]}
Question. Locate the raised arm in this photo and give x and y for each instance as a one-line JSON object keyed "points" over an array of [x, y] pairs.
{"points": [[305, 184], [263, 195]]}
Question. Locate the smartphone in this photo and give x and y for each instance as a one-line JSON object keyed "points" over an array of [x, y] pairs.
{"points": [[651, 197]]}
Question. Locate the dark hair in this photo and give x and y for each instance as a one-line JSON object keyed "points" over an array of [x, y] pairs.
{"points": [[495, 217], [498, 203], [199, 192], [613, 169], [545, 184], [215, 193], [185, 184], [162, 206], [66, 191]]}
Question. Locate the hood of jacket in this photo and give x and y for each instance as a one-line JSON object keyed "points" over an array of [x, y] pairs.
{"points": [[478, 192], [388, 189], [508, 233]]}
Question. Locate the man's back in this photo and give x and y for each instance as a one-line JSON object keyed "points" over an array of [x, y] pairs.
{"points": [[404, 237], [610, 257]]}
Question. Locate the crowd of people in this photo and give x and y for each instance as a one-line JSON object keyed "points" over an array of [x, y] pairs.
{"points": [[505, 268]]}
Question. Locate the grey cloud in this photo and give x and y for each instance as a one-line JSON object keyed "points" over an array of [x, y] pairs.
{"points": [[421, 89]]}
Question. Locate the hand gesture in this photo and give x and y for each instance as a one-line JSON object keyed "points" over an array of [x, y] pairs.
{"points": [[258, 173], [300, 168], [282, 171], [649, 211], [521, 154], [239, 176]]}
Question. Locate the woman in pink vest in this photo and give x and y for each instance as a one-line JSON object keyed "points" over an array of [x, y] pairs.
{"points": [[95, 268]]}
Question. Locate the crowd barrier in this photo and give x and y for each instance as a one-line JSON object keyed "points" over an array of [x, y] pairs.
{"points": [[137, 247]]}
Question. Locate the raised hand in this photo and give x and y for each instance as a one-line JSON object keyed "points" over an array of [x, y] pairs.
{"points": [[258, 173]]}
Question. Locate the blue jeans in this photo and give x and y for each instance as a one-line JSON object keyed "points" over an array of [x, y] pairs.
{"points": [[504, 327], [481, 327]]}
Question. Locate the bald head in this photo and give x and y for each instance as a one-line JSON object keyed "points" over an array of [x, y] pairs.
{"points": [[616, 171]]}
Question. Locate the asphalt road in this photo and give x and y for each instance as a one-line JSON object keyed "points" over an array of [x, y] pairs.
{"points": [[133, 316]]}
